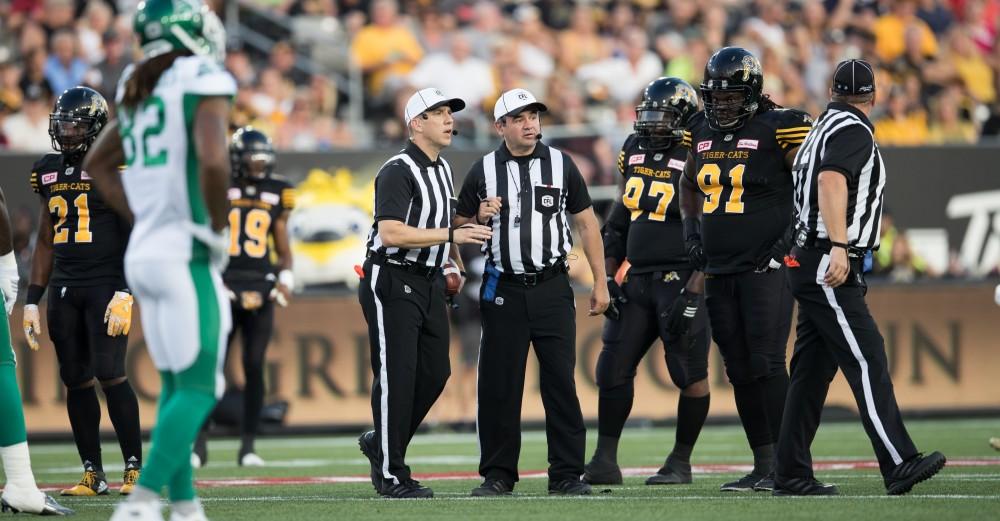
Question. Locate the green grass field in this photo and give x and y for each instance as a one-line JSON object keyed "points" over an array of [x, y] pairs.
{"points": [[970, 491]]}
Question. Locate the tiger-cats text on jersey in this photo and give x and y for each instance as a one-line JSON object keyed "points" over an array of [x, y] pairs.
{"points": [[746, 183], [88, 237]]}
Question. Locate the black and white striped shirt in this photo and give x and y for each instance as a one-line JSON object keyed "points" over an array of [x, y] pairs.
{"points": [[532, 231], [419, 192], [841, 140]]}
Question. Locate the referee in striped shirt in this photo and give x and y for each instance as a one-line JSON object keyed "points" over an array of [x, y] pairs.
{"points": [[403, 291], [839, 182], [527, 191]]}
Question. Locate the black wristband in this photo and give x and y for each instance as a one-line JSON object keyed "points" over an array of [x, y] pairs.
{"points": [[451, 234], [34, 295], [462, 273], [691, 227], [838, 245]]}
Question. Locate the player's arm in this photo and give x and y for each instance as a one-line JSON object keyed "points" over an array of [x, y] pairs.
{"points": [[579, 204], [211, 126], [102, 162], [833, 210], [282, 247], [473, 205], [393, 192], [692, 201], [615, 236], [8, 264]]}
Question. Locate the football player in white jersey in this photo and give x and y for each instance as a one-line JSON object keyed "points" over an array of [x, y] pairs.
{"points": [[171, 131]]}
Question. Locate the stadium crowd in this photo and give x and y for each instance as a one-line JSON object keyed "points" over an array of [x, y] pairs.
{"points": [[938, 59]]}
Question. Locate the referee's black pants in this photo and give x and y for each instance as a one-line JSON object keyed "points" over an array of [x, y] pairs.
{"points": [[515, 315], [408, 333], [836, 330]]}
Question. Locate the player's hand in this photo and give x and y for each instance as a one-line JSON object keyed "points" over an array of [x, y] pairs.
{"points": [[599, 299], [472, 234], [216, 241], [488, 208], [773, 257], [282, 291], [695, 252], [617, 296], [8, 281], [118, 315], [680, 318], [32, 325], [839, 268]]}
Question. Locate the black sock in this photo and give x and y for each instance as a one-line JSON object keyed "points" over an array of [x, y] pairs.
{"points": [[85, 420], [775, 391], [246, 444], [753, 413], [613, 408], [763, 459], [607, 449], [691, 414], [123, 409]]}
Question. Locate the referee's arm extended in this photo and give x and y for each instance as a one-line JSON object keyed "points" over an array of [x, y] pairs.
{"points": [[846, 152]]}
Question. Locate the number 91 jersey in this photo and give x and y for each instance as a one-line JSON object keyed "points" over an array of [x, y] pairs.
{"points": [[88, 237], [746, 183], [162, 176], [255, 206]]}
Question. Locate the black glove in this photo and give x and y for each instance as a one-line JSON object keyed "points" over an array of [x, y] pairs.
{"points": [[680, 318], [695, 253], [774, 257], [617, 297]]}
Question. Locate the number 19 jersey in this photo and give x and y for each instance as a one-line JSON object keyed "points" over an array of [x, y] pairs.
{"points": [[161, 176], [746, 183]]}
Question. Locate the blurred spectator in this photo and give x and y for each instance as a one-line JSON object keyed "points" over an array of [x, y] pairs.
{"points": [[581, 43], [385, 50], [935, 15], [457, 73], [28, 130], [435, 30], [903, 123], [33, 75], [33, 36], [97, 18], [622, 78], [485, 32], [971, 66], [10, 91], [64, 69], [283, 60], [57, 15], [238, 64], [105, 75], [948, 127], [273, 100], [890, 29], [535, 45]]}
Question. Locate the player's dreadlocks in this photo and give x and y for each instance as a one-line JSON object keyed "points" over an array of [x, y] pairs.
{"points": [[765, 104], [143, 79]]}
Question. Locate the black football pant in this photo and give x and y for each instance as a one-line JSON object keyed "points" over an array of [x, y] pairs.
{"points": [[255, 327], [751, 316], [514, 316], [836, 330], [626, 340], [409, 336], [85, 352]]}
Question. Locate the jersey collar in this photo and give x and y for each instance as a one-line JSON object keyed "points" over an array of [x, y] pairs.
{"points": [[847, 107], [541, 151], [419, 157]]}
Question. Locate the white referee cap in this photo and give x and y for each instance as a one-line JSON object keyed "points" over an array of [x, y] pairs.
{"points": [[515, 101], [429, 99]]}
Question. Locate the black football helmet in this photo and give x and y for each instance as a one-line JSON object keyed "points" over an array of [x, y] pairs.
{"points": [[251, 154], [667, 105], [76, 119], [731, 70]]}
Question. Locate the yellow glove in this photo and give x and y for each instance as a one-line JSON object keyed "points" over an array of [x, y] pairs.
{"points": [[118, 316], [32, 325]]}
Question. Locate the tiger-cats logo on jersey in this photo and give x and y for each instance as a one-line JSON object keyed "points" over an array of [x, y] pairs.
{"points": [[750, 66]]}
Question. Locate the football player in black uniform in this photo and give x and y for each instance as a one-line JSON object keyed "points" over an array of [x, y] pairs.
{"points": [[79, 255], [736, 199], [261, 203], [645, 227]]}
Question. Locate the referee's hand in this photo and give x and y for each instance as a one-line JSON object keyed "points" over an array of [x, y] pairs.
{"points": [[839, 268], [472, 234], [488, 208], [599, 299]]}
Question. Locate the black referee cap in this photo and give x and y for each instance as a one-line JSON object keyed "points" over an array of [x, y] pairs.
{"points": [[853, 77]]}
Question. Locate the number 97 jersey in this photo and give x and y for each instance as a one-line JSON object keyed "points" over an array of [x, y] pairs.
{"points": [[255, 206]]}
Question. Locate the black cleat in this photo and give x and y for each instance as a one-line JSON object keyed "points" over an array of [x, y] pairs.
{"points": [[492, 488], [766, 484], [370, 449], [569, 487], [744, 484], [803, 487], [913, 471], [600, 472], [673, 472], [51, 508], [407, 489]]}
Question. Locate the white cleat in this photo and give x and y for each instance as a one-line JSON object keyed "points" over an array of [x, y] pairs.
{"points": [[30, 501], [195, 461], [251, 460], [138, 511], [197, 515]]}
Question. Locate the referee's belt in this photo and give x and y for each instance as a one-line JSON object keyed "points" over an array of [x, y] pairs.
{"points": [[825, 246], [404, 265], [537, 277]]}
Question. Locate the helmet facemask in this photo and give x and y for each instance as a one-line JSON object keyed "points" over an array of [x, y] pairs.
{"points": [[660, 126], [72, 134]]}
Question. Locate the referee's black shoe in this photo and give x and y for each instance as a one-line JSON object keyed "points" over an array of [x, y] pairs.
{"points": [[407, 489], [569, 487], [369, 448], [492, 488], [744, 484], [602, 472], [803, 487], [913, 471]]}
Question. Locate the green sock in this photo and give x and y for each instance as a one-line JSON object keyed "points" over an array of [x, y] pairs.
{"points": [[12, 430]]}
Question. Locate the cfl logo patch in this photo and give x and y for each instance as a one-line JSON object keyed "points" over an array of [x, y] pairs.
{"points": [[407, 289], [548, 201], [498, 301]]}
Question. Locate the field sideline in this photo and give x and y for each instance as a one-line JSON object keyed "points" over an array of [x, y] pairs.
{"points": [[326, 478]]}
